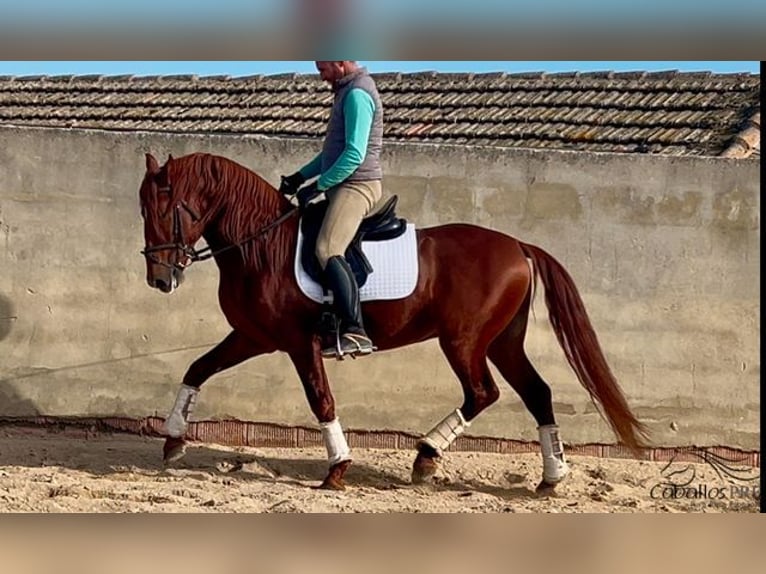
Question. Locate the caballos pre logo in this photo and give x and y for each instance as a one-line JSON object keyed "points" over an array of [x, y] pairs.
{"points": [[681, 481]]}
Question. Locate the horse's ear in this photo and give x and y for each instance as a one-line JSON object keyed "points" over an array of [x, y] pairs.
{"points": [[170, 156], [151, 164]]}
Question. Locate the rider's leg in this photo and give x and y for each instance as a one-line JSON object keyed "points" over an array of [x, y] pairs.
{"points": [[349, 204]]}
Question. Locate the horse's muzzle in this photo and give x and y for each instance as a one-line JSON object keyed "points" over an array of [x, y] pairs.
{"points": [[163, 285], [167, 284]]}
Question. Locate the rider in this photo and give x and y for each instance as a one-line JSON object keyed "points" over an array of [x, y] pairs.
{"points": [[350, 176]]}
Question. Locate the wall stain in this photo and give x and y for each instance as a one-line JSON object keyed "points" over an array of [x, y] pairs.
{"points": [[735, 209], [553, 201], [7, 317]]}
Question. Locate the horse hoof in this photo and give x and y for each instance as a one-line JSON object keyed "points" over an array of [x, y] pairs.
{"points": [[559, 473], [334, 479], [173, 450], [331, 484], [546, 487], [423, 469]]}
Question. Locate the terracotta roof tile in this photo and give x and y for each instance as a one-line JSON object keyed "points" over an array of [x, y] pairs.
{"points": [[668, 113]]}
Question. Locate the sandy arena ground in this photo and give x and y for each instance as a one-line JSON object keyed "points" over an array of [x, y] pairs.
{"points": [[44, 472]]}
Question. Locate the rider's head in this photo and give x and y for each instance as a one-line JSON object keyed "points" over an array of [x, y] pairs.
{"points": [[332, 71]]}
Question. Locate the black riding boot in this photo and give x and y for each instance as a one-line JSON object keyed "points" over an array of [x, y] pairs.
{"points": [[342, 283]]}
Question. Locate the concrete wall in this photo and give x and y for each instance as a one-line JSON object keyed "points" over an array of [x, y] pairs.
{"points": [[665, 252]]}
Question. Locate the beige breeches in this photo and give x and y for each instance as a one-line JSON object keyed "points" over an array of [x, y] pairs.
{"points": [[350, 202]]}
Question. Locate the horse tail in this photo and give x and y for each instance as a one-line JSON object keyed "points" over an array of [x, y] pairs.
{"points": [[570, 322]]}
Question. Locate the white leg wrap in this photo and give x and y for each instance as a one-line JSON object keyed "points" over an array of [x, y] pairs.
{"points": [[555, 466], [175, 424], [444, 434], [335, 442]]}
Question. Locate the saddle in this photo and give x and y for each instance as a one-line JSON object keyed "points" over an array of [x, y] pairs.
{"points": [[381, 226]]}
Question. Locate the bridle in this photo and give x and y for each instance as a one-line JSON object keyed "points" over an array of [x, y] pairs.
{"points": [[190, 255]]}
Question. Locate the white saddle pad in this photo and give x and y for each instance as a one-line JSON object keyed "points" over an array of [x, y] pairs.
{"points": [[394, 263]]}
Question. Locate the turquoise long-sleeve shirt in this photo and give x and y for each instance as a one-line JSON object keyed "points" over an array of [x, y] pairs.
{"points": [[358, 112]]}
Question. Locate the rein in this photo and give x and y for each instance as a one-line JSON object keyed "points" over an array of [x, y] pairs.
{"points": [[193, 255], [207, 252]]}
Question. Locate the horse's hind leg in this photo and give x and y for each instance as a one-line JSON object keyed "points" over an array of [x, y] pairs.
{"points": [[480, 391], [507, 353], [233, 350]]}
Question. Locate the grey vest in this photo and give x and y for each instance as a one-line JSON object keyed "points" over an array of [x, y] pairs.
{"points": [[335, 139]]}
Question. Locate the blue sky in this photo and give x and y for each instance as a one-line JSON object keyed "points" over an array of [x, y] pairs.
{"points": [[245, 68]]}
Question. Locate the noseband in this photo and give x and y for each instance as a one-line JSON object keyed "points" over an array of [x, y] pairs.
{"points": [[190, 255]]}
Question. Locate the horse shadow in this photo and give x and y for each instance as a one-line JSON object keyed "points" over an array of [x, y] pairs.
{"points": [[128, 453], [304, 471], [310, 472], [32, 446]]}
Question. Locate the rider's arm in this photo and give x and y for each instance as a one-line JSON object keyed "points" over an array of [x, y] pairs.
{"points": [[312, 168], [358, 109]]}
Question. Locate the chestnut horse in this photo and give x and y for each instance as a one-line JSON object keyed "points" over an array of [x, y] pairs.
{"points": [[473, 293]]}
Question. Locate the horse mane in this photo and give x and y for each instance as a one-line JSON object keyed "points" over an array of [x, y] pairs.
{"points": [[242, 200]]}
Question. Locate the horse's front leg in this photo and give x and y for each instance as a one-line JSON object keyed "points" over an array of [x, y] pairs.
{"points": [[432, 446], [233, 350], [308, 363]]}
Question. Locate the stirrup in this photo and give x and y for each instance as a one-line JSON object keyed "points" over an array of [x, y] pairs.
{"points": [[349, 344]]}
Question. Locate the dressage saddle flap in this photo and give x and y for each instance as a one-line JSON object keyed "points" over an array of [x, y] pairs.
{"points": [[385, 213], [384, 224]]}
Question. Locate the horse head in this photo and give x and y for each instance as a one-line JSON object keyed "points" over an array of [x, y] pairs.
{"points": [[172, 224]]}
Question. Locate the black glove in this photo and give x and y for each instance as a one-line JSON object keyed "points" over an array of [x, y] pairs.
{"points": [[306, 194], [291, 183]]}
